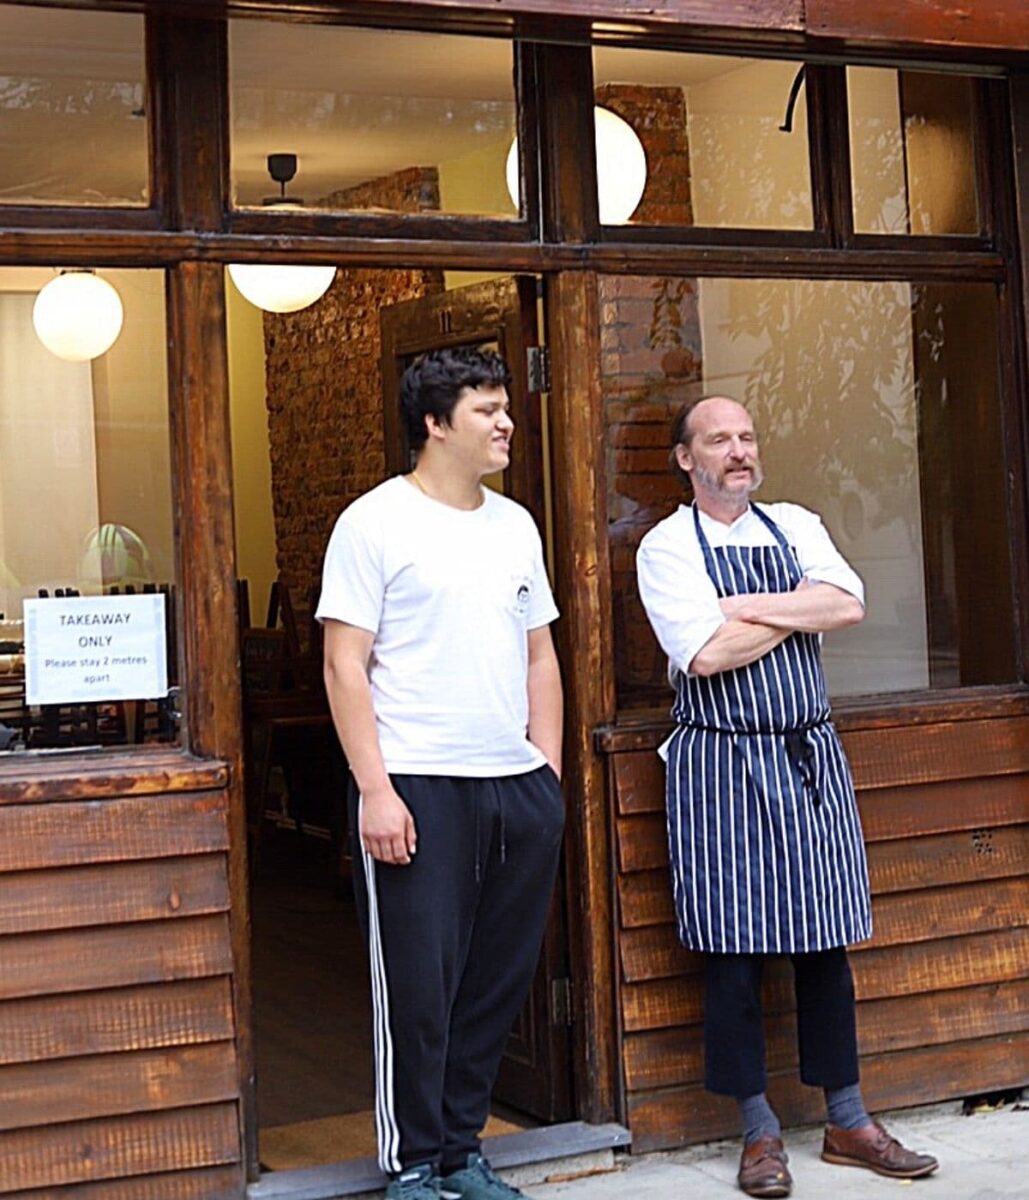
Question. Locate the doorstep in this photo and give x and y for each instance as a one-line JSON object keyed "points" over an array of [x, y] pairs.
{"points": [[527, 1157]]}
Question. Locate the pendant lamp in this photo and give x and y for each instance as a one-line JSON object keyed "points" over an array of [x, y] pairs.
{"points": [[78, 316], [621, 168], [277, 287]]}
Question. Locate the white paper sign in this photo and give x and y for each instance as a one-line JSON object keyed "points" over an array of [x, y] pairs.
{"points": [[93, 648]]}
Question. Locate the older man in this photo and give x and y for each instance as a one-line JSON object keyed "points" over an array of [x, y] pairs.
{"points": [[765, 843]]}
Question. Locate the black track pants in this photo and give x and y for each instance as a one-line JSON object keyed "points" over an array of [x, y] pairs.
{"points": [[734, 1042], [453, 939]]}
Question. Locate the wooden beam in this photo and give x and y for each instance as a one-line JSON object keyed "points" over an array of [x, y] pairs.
{"points": [[202, 471], [942, 23], [584, 644]]}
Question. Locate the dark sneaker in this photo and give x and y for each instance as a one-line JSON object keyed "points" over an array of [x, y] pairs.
{"points": [[476, 1181], [416, 1183]]}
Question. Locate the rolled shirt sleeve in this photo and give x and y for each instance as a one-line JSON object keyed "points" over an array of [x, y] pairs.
{"points": [[817, 555]]}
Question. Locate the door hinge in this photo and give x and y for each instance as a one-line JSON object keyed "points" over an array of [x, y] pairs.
{"points": [[561, 1007], [537, 360]]}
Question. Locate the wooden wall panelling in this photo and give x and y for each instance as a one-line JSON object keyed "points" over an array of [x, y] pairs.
{"points": [[110, 1148], [186, 1012], [906, 864], [946, 751], [887, 813], [53, 835], [997, 957], [943, 807], [675, 1116], [113, 894], [903, 919], [149, 772], [77, 960], [210, 1183], [103, 1085], [673, 1057]]}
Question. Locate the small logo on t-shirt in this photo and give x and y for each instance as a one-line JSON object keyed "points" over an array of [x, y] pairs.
{"points": [[523, 594]]}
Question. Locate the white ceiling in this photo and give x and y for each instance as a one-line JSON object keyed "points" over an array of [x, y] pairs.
{"points": [[353, 104]]}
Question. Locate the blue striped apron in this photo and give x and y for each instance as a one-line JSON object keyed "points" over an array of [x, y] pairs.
{"points": [[765, 842]]}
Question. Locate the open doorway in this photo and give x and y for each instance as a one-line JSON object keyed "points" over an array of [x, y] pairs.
{"points": [[313, 397]]}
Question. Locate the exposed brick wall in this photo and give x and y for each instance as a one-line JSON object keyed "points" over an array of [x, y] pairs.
{"points": [[658, 115], [324, 390], [650, 366]]}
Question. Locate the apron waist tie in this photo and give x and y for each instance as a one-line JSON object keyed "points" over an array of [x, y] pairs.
{"points": [[802, 752], [798, 747]]}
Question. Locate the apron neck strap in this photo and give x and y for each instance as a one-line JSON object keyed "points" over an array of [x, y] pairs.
{"points": [[705, 545]]}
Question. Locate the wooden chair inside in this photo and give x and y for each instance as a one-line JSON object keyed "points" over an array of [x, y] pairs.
{"points": [[284, 707]]}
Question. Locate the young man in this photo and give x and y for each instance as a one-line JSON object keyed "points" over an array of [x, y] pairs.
{"points": [[766, 847], [446, 695]]}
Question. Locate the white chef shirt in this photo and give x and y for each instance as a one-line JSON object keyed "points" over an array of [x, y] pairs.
{"points": [[679, 595]]}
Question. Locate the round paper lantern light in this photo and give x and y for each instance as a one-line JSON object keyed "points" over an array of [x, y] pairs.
{"points": [[621, 168], [281, 289], [78, 316]]}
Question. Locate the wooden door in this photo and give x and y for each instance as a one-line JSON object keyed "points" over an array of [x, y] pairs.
{"points": [[501, 314]]}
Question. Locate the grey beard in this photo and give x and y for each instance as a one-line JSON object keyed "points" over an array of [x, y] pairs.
{"points": [[714, 482]]}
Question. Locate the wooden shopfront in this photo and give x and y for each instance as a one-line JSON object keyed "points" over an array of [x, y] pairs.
{"points": [[832, 226]]}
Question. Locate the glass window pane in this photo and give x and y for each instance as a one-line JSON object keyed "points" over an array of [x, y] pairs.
{"points": [[912, 150], [73, 126], [877, 405], [379, 120], [85, 510], [710, 132]]}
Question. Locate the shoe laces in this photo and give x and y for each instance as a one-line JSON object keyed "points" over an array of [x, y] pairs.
{"points": [[502, 1189]]}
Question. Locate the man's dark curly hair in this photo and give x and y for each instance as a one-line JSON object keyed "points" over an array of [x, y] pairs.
{"points": [[433, 383]]}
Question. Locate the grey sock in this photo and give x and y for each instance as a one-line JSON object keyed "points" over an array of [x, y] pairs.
{"points": [[758, 1118], [846, 1108]]}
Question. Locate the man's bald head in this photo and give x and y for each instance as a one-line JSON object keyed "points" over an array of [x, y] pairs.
{"points": [[693, 416]]}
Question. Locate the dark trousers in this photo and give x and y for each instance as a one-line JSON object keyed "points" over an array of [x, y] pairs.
{"points": [[454, 938], [734, 1040]]}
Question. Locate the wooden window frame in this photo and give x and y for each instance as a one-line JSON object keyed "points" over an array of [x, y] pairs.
{"points": [[190, 230]]}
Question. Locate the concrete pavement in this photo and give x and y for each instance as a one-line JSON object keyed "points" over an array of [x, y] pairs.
{"points": [[984, 1156]]}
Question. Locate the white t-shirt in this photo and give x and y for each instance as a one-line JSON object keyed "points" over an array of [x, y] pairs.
{"points": [[451, 596], [679, 595]]}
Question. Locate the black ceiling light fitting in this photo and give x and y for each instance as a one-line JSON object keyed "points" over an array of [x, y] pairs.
{"points": [[791, 103], [282, 168]]}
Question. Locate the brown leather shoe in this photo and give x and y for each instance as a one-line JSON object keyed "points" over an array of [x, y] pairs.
{"points": [[763, 1168], [872, 1147]]}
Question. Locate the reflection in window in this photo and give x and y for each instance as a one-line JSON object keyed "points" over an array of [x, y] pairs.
{"points": [[379, 120], [85, 495], [912, 152], [710, 129], [72, 117], [876, 405]]}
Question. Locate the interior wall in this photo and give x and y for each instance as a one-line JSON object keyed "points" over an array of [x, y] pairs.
{"points": [[133, 452], [251, 450], [745, 171], [324, 390], [48, 486], [106, 458], [826, 370], [878, 169]]}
